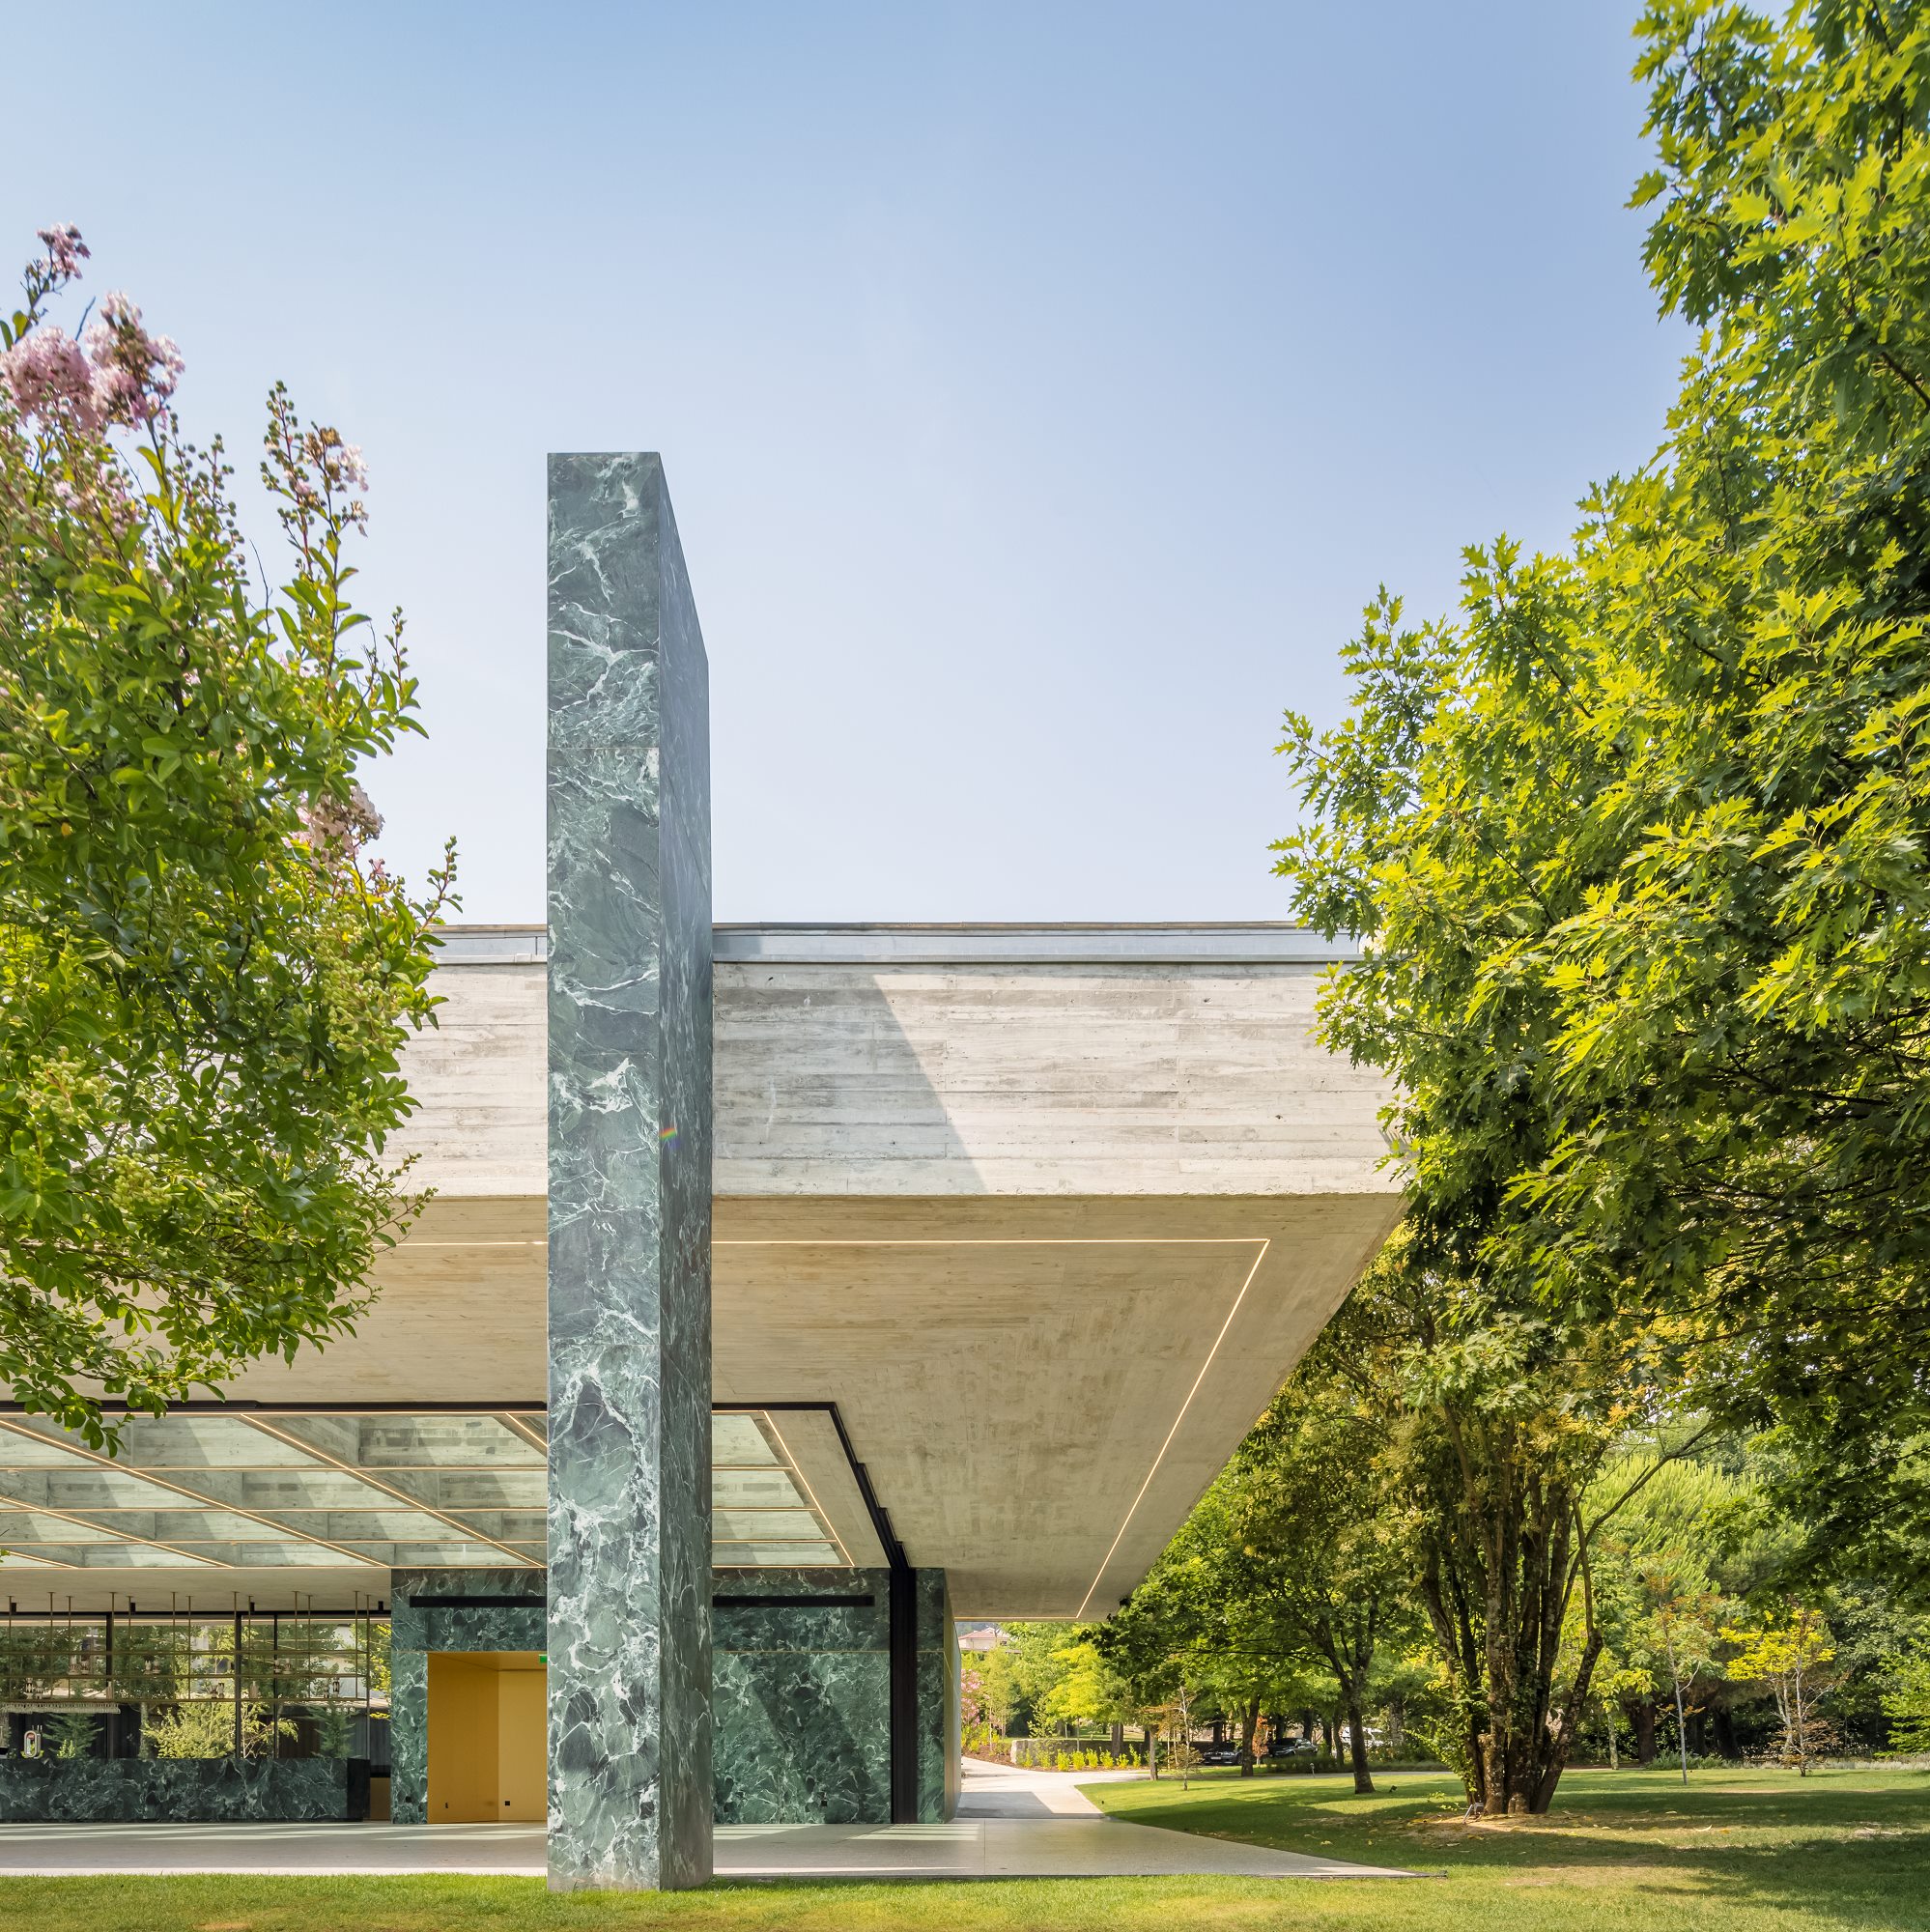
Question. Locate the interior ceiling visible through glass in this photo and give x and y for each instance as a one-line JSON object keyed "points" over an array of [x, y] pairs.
{"points": [[255, 1490]]}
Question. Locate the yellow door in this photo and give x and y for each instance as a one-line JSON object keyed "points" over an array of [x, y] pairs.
{"points": [[521, 1743], [487, 1740]]}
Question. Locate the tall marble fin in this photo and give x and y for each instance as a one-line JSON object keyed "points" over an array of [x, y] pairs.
{"points": [[630, 1178]]}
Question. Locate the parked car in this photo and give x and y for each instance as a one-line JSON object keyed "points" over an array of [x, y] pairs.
{"points": [[1216, 1753], [1286, 1747]]}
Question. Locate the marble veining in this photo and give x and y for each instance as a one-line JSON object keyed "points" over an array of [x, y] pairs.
{"points": [[804, 1697], [226, 1790], [630, 1188], [415, 1631]]}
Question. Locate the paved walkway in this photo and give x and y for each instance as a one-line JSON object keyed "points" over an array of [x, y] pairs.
{"points": [[1010, 1823]]}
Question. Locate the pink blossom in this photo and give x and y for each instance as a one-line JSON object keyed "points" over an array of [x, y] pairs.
{"points": [[66, 252], [330, 823], [338, 464], [134, 373], [49, 376]]}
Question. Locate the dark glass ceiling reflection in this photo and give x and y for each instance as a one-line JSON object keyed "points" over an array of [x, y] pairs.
{"points": [[257, 1489]]}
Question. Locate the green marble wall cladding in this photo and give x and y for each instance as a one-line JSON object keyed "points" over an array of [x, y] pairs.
{"points": [[938, 1730], [630, 1186], [147, 1791], [415, 1629], [802, 1699]]}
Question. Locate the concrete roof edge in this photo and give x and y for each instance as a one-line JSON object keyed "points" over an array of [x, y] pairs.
{"points": [[912, 943]]}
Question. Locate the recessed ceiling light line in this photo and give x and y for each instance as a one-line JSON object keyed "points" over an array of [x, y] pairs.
{"points": [[1126, 1520]]}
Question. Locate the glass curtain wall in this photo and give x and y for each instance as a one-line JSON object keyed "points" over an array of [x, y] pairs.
{"points": [[268, 1684]]}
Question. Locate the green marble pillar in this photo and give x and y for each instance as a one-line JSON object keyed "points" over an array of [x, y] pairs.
{"points": [[630, 1157]]}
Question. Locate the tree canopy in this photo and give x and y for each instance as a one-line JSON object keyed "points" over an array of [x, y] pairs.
{"points": [[1636, 842], [204, 982]]}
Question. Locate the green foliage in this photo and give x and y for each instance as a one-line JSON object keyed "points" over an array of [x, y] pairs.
{"points": [[1906, 1700], [73, 1733], [1322, 1539], [1017, 1680], [205, 1727], [1791, 1653], [36, 1659], [205, 987], [1088, 1693], [1636, 846], [335, 1731]]}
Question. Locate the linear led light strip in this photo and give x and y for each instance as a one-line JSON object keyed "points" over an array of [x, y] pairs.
{"points": [[916, 1241], [469, 1532], [515, 1424], [1126, 1520], [803, 1483], [182, 1550], [97, 1461], [994, 1241], [8, 1550], [81, 1523]]}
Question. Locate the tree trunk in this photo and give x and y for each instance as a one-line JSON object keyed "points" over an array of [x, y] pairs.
{"points": [[1249, 1722], [1119, 1736], [1643, 1714], [1723, 1722], [1327, 1734], [1152, 1752], [1396, 1724], [1357, 1728], [1219, 1732]]}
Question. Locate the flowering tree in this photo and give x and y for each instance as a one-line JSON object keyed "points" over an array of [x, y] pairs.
{"points": [[973, 1714], [205, 983]]}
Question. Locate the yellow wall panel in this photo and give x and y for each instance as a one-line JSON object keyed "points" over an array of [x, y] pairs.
{"points": [[522, 1745]]}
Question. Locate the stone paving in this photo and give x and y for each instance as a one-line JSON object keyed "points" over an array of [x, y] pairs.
{"points": [[1010, 1823]]}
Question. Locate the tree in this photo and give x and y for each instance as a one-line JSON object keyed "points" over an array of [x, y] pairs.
{"points": [[204, 982], [1790, 1654], [975, 1714], [1163, 1641], [1497, 1424], [1739, 642], [1088, 1693], [1320, 1540], [204, 1727], [1906, 1700], [1656, 1594], [1634, 849], [1021, 1675], [1684, 1619]]}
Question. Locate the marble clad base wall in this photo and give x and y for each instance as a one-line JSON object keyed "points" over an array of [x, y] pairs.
{"points": [[415, 1631], [803, 1700], [939, 1741], [216, 1790]]}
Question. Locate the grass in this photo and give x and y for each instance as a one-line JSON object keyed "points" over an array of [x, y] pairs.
{"points": [[1741, 1852], [1734, 1852]]}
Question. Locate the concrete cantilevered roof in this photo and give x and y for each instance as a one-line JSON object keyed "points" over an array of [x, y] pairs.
{"points": [[1046, 1211]]}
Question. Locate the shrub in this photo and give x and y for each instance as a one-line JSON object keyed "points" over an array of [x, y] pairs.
{"points": [[71, 1733]]}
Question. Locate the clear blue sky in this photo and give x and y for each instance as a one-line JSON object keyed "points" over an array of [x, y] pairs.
{"points": [[1043, 387]]}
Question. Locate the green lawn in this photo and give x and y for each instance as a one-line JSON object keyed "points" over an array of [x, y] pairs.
{"points": [[1739, 1852], [1735, 1852]]}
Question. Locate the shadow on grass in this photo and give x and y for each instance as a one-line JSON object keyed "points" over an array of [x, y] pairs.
{"points": [[1848, 1846]]}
